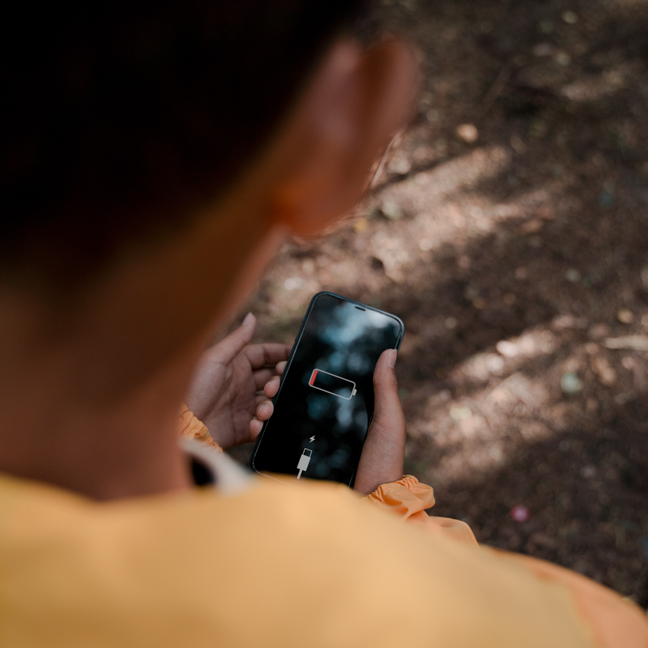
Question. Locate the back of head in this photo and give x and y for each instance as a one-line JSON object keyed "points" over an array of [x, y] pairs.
{"points": [[119, 120]]}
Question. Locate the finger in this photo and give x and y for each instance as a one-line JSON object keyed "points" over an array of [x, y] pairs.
{"points": [[272, 387], [383, 453], [281, 366], [388, 411], [255, 428], [264, 410], [231, 345], [263, 355]]}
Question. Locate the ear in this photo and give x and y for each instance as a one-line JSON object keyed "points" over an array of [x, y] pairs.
{"points": [[357, 101]]}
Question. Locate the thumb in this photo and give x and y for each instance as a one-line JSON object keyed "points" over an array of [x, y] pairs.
{"points": [[388, 413], [230, 346], [383, 452]]}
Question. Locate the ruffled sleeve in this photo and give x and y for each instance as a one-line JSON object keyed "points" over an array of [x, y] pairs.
{"points": [[408, 499], [192, 428]]}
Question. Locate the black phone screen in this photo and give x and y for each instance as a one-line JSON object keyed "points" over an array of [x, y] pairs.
{"points": [[326, 399]]}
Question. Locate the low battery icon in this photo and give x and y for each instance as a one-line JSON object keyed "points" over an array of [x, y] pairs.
{"points": [[332, 384], [304, 460]]}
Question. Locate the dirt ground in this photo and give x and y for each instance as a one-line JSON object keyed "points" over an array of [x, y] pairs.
{"points": [[508, 228]]}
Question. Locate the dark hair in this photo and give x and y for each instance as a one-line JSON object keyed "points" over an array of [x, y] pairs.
{"points": [[119, 119]]}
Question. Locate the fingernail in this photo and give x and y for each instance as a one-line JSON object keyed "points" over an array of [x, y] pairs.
{"points": [[248, 319], [391, 361], [261, 409]]}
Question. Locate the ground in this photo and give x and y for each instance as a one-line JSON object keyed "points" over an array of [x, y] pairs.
{"points": [[508, 228]]}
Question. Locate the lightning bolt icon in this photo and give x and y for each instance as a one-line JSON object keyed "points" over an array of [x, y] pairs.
{"points": [[312, 439]]}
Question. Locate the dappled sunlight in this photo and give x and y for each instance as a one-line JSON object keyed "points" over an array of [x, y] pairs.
{"points": [[597, 86], [507, 229]]}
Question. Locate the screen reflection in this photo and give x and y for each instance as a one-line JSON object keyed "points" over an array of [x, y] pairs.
{"points": [[326, 398]]}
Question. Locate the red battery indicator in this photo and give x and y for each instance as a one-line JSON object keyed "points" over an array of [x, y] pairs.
{"points": [[332, 384]]}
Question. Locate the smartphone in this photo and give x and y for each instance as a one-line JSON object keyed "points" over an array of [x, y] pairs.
{"points": [[325, 402]]}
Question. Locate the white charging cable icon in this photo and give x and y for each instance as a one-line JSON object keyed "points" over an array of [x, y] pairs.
{"points": [[304, 460]]}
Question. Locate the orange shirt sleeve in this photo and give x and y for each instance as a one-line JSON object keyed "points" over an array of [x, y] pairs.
{"points": [[612, 621], [191, 427], [408, 498]]}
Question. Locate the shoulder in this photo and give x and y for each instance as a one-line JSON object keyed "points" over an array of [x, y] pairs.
{"points": [[270, 565]]}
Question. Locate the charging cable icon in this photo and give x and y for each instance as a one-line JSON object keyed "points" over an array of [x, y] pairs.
{"points": [[304, 460]]}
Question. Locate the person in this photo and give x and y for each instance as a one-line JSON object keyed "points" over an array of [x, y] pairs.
{"points": [[154, 157]]}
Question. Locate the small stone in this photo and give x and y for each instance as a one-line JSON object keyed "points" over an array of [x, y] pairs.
{"points": [[470, 292], [569, 17], [479, 303], [460, 413], [293, 283], [433, 115], [399, 165], [520, 513], [496, 453], [361, 225], [563, 59], [628, 362], [543, 50], [588, 472], [565, 445], [625, 316], [425, 245], [468, 133], [451, 323], [507, 349], [570, 383], [392, 210], [572, 275]]}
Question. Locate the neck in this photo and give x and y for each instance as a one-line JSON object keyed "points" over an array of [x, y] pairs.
{"points": [[123, 448], [127, 449]]}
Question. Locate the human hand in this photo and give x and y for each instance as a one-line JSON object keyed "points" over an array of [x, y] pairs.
{"points": [[226, 390], [383, 453]]}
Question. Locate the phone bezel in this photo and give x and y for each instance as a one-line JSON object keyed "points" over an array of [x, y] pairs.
{"points": [[290, 359]]}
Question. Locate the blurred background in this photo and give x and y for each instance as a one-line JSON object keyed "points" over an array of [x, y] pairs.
{"points": [[508, 228]]}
